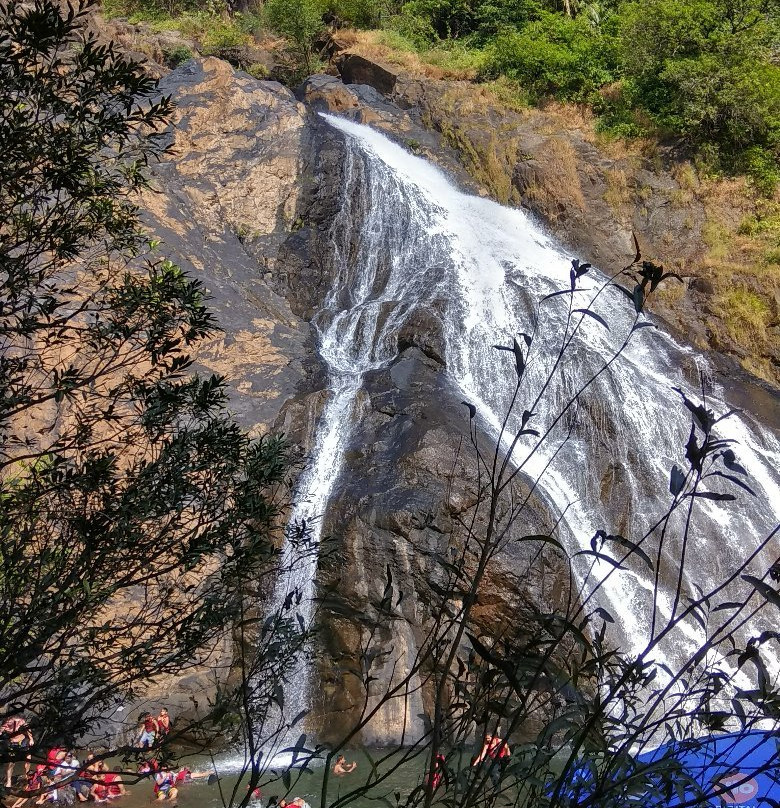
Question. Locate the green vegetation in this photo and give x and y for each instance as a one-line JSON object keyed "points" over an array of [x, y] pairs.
{"points": [[701, 73], [210, 27], [298, 21], [554, 56], [134, 509], [178, 55], [746, 310], [221, 35]]}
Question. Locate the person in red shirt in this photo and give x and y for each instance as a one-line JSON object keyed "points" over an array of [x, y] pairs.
{"points": [[483, 753], [99, 790], [55, 756], [499, 749], [148, 766], [114, 785], [495, 751], [148, 730]]}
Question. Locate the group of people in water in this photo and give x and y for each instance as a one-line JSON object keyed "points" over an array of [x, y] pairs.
{"points": [[493, 756], [152, 729], [63, 779]]}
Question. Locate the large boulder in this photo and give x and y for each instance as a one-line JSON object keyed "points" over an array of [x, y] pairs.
{"points": [[356, 69], [223, 203]]}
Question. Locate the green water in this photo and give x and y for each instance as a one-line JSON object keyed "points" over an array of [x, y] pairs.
{"points": [[307, 785]]}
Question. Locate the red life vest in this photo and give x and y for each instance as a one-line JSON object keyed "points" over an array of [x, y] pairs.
{"points": [[112, 785], [498, 749], [55, 756]]}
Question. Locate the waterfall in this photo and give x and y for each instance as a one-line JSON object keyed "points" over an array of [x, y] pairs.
{"points": [[404, 239]]}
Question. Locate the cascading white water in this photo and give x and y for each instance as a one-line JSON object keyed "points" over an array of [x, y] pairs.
{"points": [[356, 333], [405, 239]]}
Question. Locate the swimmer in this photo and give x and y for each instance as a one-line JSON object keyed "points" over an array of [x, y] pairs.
{"points": [[341, 767]]}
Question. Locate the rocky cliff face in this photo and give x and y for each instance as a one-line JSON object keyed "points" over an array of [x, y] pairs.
{"points": [[223, 205], [246, 203], [405, 498]]}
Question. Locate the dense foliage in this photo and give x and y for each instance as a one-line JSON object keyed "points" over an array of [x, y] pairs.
{"points": [[133, 508], [702, 74]]}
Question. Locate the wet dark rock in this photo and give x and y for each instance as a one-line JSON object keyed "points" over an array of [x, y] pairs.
{"points": [[407, 479], [755, 397], [356, 69], [423, 329]]}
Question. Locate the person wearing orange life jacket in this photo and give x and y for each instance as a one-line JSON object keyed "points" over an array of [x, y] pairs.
{"points": [[165, 785], [499, 749], [114, 785], [185, 775], [99, 790], [495, 752], [163, 724], [55, 756], [438, 772]]}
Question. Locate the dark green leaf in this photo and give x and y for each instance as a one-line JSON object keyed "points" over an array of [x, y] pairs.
{"points": [[638, 296], [768, 592], [676, 480], [592, 314]]}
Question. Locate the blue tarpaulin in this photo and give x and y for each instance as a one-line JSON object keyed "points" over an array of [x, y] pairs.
{"points": [[741, 770], [744, 766]]}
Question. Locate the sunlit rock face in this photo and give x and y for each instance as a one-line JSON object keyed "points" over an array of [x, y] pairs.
{"points": [[222, 203]]}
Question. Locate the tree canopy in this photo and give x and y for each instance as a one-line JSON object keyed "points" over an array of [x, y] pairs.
{"points": [[134, 510]]}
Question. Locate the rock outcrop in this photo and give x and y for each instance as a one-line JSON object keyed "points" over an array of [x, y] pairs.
{"points": [[222, 205], [232, 180]]}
